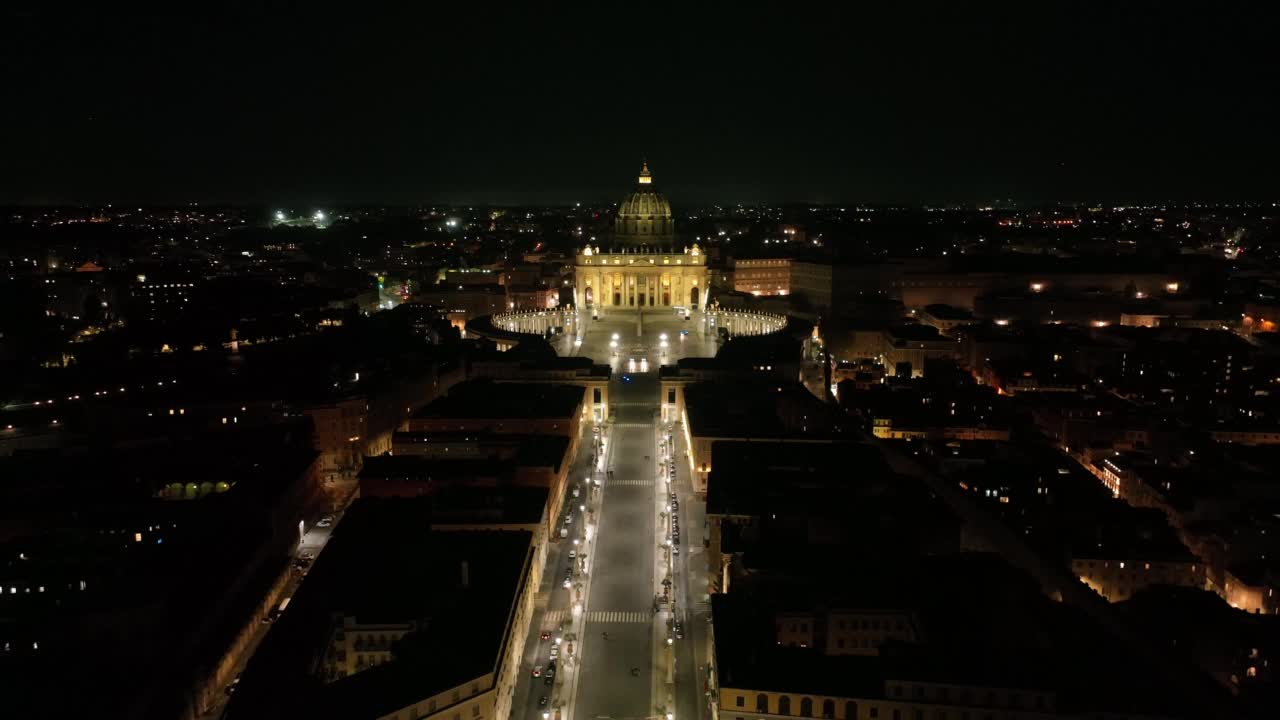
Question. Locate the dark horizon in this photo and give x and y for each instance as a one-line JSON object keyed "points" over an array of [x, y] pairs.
{"points": [[931, 105]]}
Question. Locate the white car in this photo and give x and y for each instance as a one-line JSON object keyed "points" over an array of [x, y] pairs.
{"points": [[568, 581], [573, 554]]}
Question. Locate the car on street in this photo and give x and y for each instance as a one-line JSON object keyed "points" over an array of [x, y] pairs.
{"points": [[675, 505], [548, 680], [307, 555], [576, 491], [546, 635], [573, 554], [542, 701], [233, 685], [537, 671], [568, 581], [555, 651], [675, 549], [325, 521], [679, 630]]}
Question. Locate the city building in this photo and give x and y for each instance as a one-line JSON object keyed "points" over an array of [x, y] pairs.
{"points": [[164, 557], [730, 412], [643, 268], [762, 276], [397, 620]]}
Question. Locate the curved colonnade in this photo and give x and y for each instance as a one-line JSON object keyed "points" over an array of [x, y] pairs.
{"points": [[510, 328], [739, 323]]}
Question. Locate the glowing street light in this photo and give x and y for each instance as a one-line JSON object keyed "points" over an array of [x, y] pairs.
{"points": [[280, 215], [615, 336], [319, 216]]}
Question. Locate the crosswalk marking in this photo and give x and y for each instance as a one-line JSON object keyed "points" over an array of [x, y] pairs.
{"points": [[640, 483], [619, 616], [552, 618], [633, 425]]}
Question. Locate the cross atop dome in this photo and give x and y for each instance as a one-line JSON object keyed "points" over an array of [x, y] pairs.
{"points": [[645, 177]]}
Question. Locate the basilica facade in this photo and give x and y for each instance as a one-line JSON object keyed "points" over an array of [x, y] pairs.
{"points": [[642, 268]]}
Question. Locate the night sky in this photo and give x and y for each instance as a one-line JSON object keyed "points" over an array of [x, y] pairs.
{"points": [[921, 103]]}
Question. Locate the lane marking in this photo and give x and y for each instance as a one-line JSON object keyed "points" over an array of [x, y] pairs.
{"points": [[619, 616]]}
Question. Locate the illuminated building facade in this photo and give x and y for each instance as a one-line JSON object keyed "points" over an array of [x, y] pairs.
{"points": [[763, 276], [643, 269]]}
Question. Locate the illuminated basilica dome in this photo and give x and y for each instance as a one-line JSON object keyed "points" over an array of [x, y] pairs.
{"points": [[645, 216]]}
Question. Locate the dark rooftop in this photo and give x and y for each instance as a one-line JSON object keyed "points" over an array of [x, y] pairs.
{"points": [[483, 399], [759, 410]]}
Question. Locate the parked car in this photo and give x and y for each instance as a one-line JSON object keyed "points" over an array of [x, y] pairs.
{"points": [[537, 671]]}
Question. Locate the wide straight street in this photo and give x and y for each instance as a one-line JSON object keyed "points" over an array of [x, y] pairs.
{"points": [[620, 656]]}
